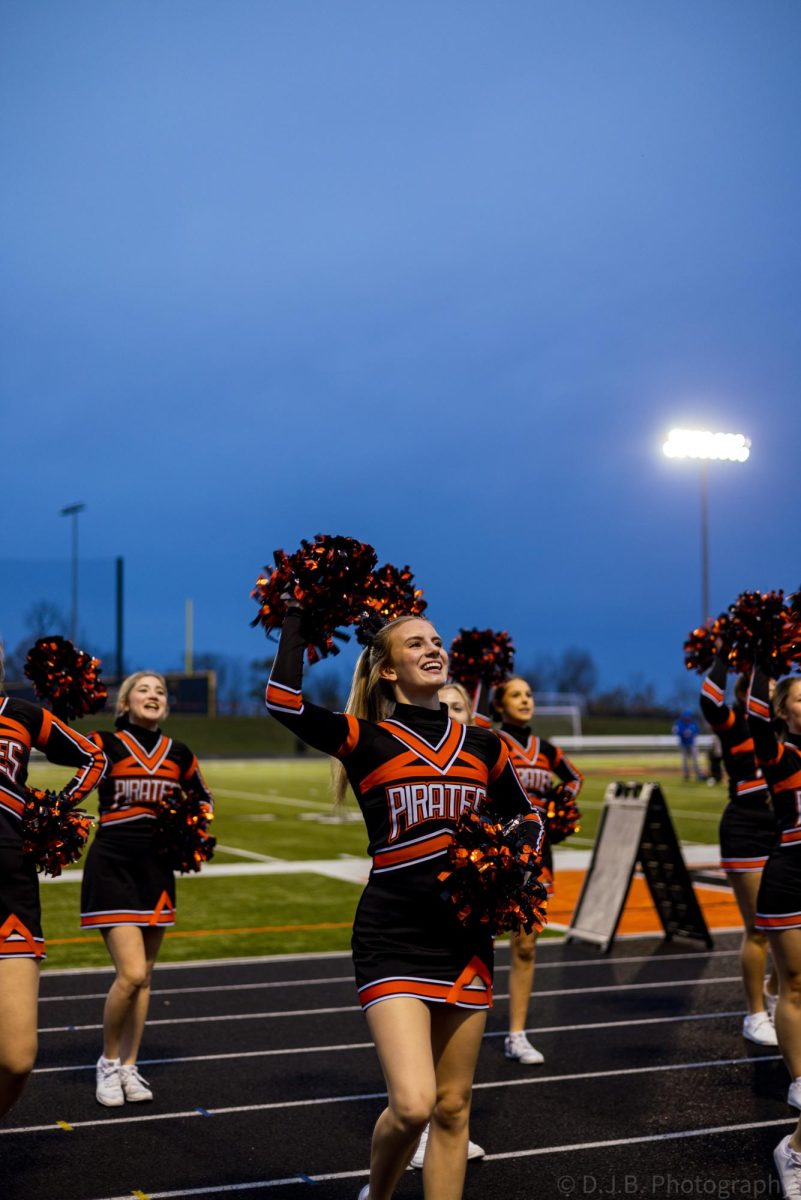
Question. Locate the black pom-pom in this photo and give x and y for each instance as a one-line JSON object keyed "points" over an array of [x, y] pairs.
{"points": [[481, 656], [67, 678], [329, 578], [493, 876], [53, 832], [182, 835], [562, 814], [763, 632]]}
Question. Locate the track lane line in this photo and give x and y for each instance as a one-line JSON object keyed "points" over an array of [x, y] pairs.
{"points": [[344, 1008], [348, 1046], [359, 1097]]}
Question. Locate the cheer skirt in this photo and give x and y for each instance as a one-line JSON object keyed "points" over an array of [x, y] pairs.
{"points": [[779, 896], [407, 941], [125, 882], [20, 911], [748, 833]]}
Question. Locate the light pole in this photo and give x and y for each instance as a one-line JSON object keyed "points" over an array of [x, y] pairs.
{"points": [[705, 447], [72, 510]]}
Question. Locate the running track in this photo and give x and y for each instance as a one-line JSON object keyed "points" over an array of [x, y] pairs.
{"points": [[266, 1085]]}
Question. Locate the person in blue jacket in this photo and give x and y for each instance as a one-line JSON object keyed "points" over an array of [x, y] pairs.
{"points": [[685, 728]]}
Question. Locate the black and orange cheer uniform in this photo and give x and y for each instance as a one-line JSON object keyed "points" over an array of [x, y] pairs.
{"points": [[125, 880], [748, 830], [24, 726], [536, 761], [779, 897], [413, 775]]}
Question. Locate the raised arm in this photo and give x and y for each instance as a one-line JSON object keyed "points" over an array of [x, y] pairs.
{"points": [[482, 715], [68, 748], [330, 732], [716, 711], [767, 746]]}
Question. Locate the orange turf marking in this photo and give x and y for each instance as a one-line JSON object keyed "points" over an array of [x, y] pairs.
{"points": [[639, 915]]}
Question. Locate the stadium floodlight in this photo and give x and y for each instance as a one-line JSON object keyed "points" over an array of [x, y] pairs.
{"points": [[705, 447], [699, 443]]}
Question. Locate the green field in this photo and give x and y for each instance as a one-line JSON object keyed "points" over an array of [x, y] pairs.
{"points": [[272, 808]]}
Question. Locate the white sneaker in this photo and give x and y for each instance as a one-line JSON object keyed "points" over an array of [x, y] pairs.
{"points": [[364, 1194], [794, 1093], [108, 1088], [788, 1167], [517, 1045], [771, 1000], [416, 1160], [473, 1151], [758, 1028], [134, 1087]]}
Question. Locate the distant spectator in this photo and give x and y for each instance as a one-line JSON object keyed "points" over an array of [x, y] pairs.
{"points": [[715, 759], [686, 730]]}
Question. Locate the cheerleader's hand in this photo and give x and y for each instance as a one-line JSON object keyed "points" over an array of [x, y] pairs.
{"points": [[525, 833]]}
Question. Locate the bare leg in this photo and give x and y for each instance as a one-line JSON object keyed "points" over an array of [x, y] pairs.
{"points": [[521, 978], [133, 952], [754, 947], [456, 1037], [401, 1030], [786, 949], [19, 995]]}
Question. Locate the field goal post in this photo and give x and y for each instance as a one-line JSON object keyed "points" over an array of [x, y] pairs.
{"points": [[570, 705]]}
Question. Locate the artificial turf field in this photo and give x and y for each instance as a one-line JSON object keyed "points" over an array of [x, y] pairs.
{"points": [[281, 810], [266, 1083]]}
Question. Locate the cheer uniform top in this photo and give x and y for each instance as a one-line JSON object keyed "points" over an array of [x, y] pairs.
{"points": [[413, 775], [536, 760], [125, 880], [22, 727], [779, 897], [748, 830]]}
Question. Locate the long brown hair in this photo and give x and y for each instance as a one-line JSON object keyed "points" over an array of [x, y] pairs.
{"points": [[371, 697]]}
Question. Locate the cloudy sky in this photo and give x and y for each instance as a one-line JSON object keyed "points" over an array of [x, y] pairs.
{"points": [[437, 276]]}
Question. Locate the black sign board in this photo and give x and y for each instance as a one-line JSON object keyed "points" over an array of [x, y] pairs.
{"points": [[635, 827]]}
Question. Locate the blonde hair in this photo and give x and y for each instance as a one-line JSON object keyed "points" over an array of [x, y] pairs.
{"points": [[371, 698], [781, 696], [126, 687], [462, 691]]}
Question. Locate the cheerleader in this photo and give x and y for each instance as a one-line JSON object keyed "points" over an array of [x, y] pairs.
{"points": [[779, 899], [22, 946], [128, 890], [424, 979], [748, 833], [457, 702], [536, 761]]}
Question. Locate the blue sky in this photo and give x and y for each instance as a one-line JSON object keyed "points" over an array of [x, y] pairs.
{"points": [[439, 277]]}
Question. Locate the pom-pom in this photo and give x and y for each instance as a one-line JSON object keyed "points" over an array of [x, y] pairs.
{"points": [[329, 577], [182, 835], [391, 594], [703, 644], [53, 832], [481, 656], [494, 868], [67, 678], [562, 814], [762, 627]]}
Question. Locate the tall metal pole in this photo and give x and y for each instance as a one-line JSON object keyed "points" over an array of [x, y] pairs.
{"points": [[72, 510], [705, 541], [119, 607]]}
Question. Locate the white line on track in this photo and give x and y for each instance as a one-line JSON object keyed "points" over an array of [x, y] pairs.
{"points": [[355, 1098], [348, 1046], [342, 1008], [329, 979], [260, 798], [645, 1139]]}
